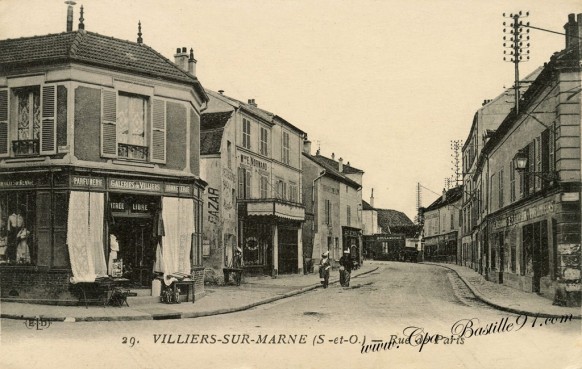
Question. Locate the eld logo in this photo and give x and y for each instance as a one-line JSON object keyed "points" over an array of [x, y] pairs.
{"points": [[38, 323]]}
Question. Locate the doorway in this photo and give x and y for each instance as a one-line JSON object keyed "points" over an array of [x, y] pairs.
{"points": [[136, 248]]}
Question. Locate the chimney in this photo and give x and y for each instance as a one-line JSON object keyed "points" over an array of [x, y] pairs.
{"points": [[192, 63], [181, 58], [372, 198], [332, 156], [307, 147], [221, 92], [252, 102], [571, 30], [70, 15], [341, 164], [444, 195]]}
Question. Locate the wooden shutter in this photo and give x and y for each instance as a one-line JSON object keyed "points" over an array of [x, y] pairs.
{"points": [[158, 146], [4, 146], [43, 228], [109, 123], [48, 131]]}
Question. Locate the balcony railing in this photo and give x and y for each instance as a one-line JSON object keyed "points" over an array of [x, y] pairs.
{"points": [[133, 152], [25, 147]]}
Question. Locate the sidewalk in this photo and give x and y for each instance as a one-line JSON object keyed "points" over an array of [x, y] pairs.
{"points": [[506, 298], [253, 292]]}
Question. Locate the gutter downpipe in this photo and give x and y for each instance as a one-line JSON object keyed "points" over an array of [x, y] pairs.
{"points": [[321, 174]]}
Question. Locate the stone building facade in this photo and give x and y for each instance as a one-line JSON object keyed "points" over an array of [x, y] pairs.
{"points": [[99, 138]]}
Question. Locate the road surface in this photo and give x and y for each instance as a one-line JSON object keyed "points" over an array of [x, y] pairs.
{"points": [[401, 316]]}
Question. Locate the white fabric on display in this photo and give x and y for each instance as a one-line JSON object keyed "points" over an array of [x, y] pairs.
{"points": [[178, 216], [85, 236]]}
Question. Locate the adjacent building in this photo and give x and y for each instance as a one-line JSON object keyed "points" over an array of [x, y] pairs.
{"points": [[252, 161], [442, 222], [99, 160], [332, 194], [522, 213]]}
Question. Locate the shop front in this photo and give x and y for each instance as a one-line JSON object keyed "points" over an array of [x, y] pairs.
{"points": [[351, 241], [64, 226], [530, 248], [270, 235]]}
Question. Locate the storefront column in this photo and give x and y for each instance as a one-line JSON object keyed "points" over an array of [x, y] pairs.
{"points": [[299, 250], [275, 250]]}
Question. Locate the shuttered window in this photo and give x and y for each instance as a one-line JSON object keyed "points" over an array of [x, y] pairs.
{"points": [[158, 147], [48, 134], [109, 123], [4, 122]]}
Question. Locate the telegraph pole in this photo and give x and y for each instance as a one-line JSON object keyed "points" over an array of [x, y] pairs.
{"points": [[516, 41]]}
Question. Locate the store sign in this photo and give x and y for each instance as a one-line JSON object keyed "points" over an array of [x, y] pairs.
{"points": [[87, 182], [178, 189], [17, 183], [247, 160], [350, 233], [524, 215], [135, 207], [117, 206], [141, 186]]}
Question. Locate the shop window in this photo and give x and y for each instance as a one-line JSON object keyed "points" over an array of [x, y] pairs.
{"points": [[17, 228]]}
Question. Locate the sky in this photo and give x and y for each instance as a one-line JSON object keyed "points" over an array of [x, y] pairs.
{"points": [[386, 85]]}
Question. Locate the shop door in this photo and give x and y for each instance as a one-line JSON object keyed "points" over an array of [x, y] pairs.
{"points": [[287, 250], [135, 248]]}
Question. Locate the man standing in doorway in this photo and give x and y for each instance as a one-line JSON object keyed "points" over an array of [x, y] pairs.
{"points": [[346, 266]]}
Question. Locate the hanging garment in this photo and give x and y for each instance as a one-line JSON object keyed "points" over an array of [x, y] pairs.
{"points": [[22, 250], [114, 249]]}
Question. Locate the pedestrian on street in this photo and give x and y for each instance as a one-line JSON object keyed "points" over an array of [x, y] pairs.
{"points": [[345, 270], [324, 268]]}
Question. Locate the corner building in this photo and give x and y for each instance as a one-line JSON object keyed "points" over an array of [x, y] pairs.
{"points": [[99, 137]]}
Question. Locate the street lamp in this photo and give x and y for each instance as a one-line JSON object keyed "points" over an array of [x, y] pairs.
{"points": [[520, 161]]}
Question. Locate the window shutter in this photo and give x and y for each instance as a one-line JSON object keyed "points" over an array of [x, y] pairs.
{"points": [[4, 146], [48, 131], [109, 123], [158, 147]]}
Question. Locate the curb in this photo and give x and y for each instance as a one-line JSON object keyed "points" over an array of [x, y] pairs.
{"points": [[179, 315], [484, 299]]}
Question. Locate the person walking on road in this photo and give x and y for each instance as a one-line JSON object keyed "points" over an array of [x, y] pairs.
{"points": [[324, 268], [345, 270]]}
